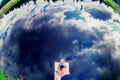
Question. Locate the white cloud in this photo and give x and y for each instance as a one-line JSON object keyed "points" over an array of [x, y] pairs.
{"points": [[111, 39]]}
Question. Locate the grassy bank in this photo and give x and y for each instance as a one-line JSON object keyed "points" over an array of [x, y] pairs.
{"points": [[113, 4]]}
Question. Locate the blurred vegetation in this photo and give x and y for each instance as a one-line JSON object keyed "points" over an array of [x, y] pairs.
{"points": [[3, 2], [113, 5], [118, 78], [3, 75], [22, 2]]}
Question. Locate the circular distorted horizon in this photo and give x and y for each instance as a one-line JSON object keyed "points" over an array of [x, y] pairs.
{"points": [[33, 37]]}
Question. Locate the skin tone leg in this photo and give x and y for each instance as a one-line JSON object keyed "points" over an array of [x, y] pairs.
{"points": [[64, 72]]}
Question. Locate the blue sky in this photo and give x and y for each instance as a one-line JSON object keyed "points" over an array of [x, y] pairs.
{"points": [[34, 41]]}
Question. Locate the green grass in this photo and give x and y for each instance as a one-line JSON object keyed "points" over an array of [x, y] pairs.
{"points": [[118, 78], [3, 76], [3, 2], [8, 6], [113, 4]]}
